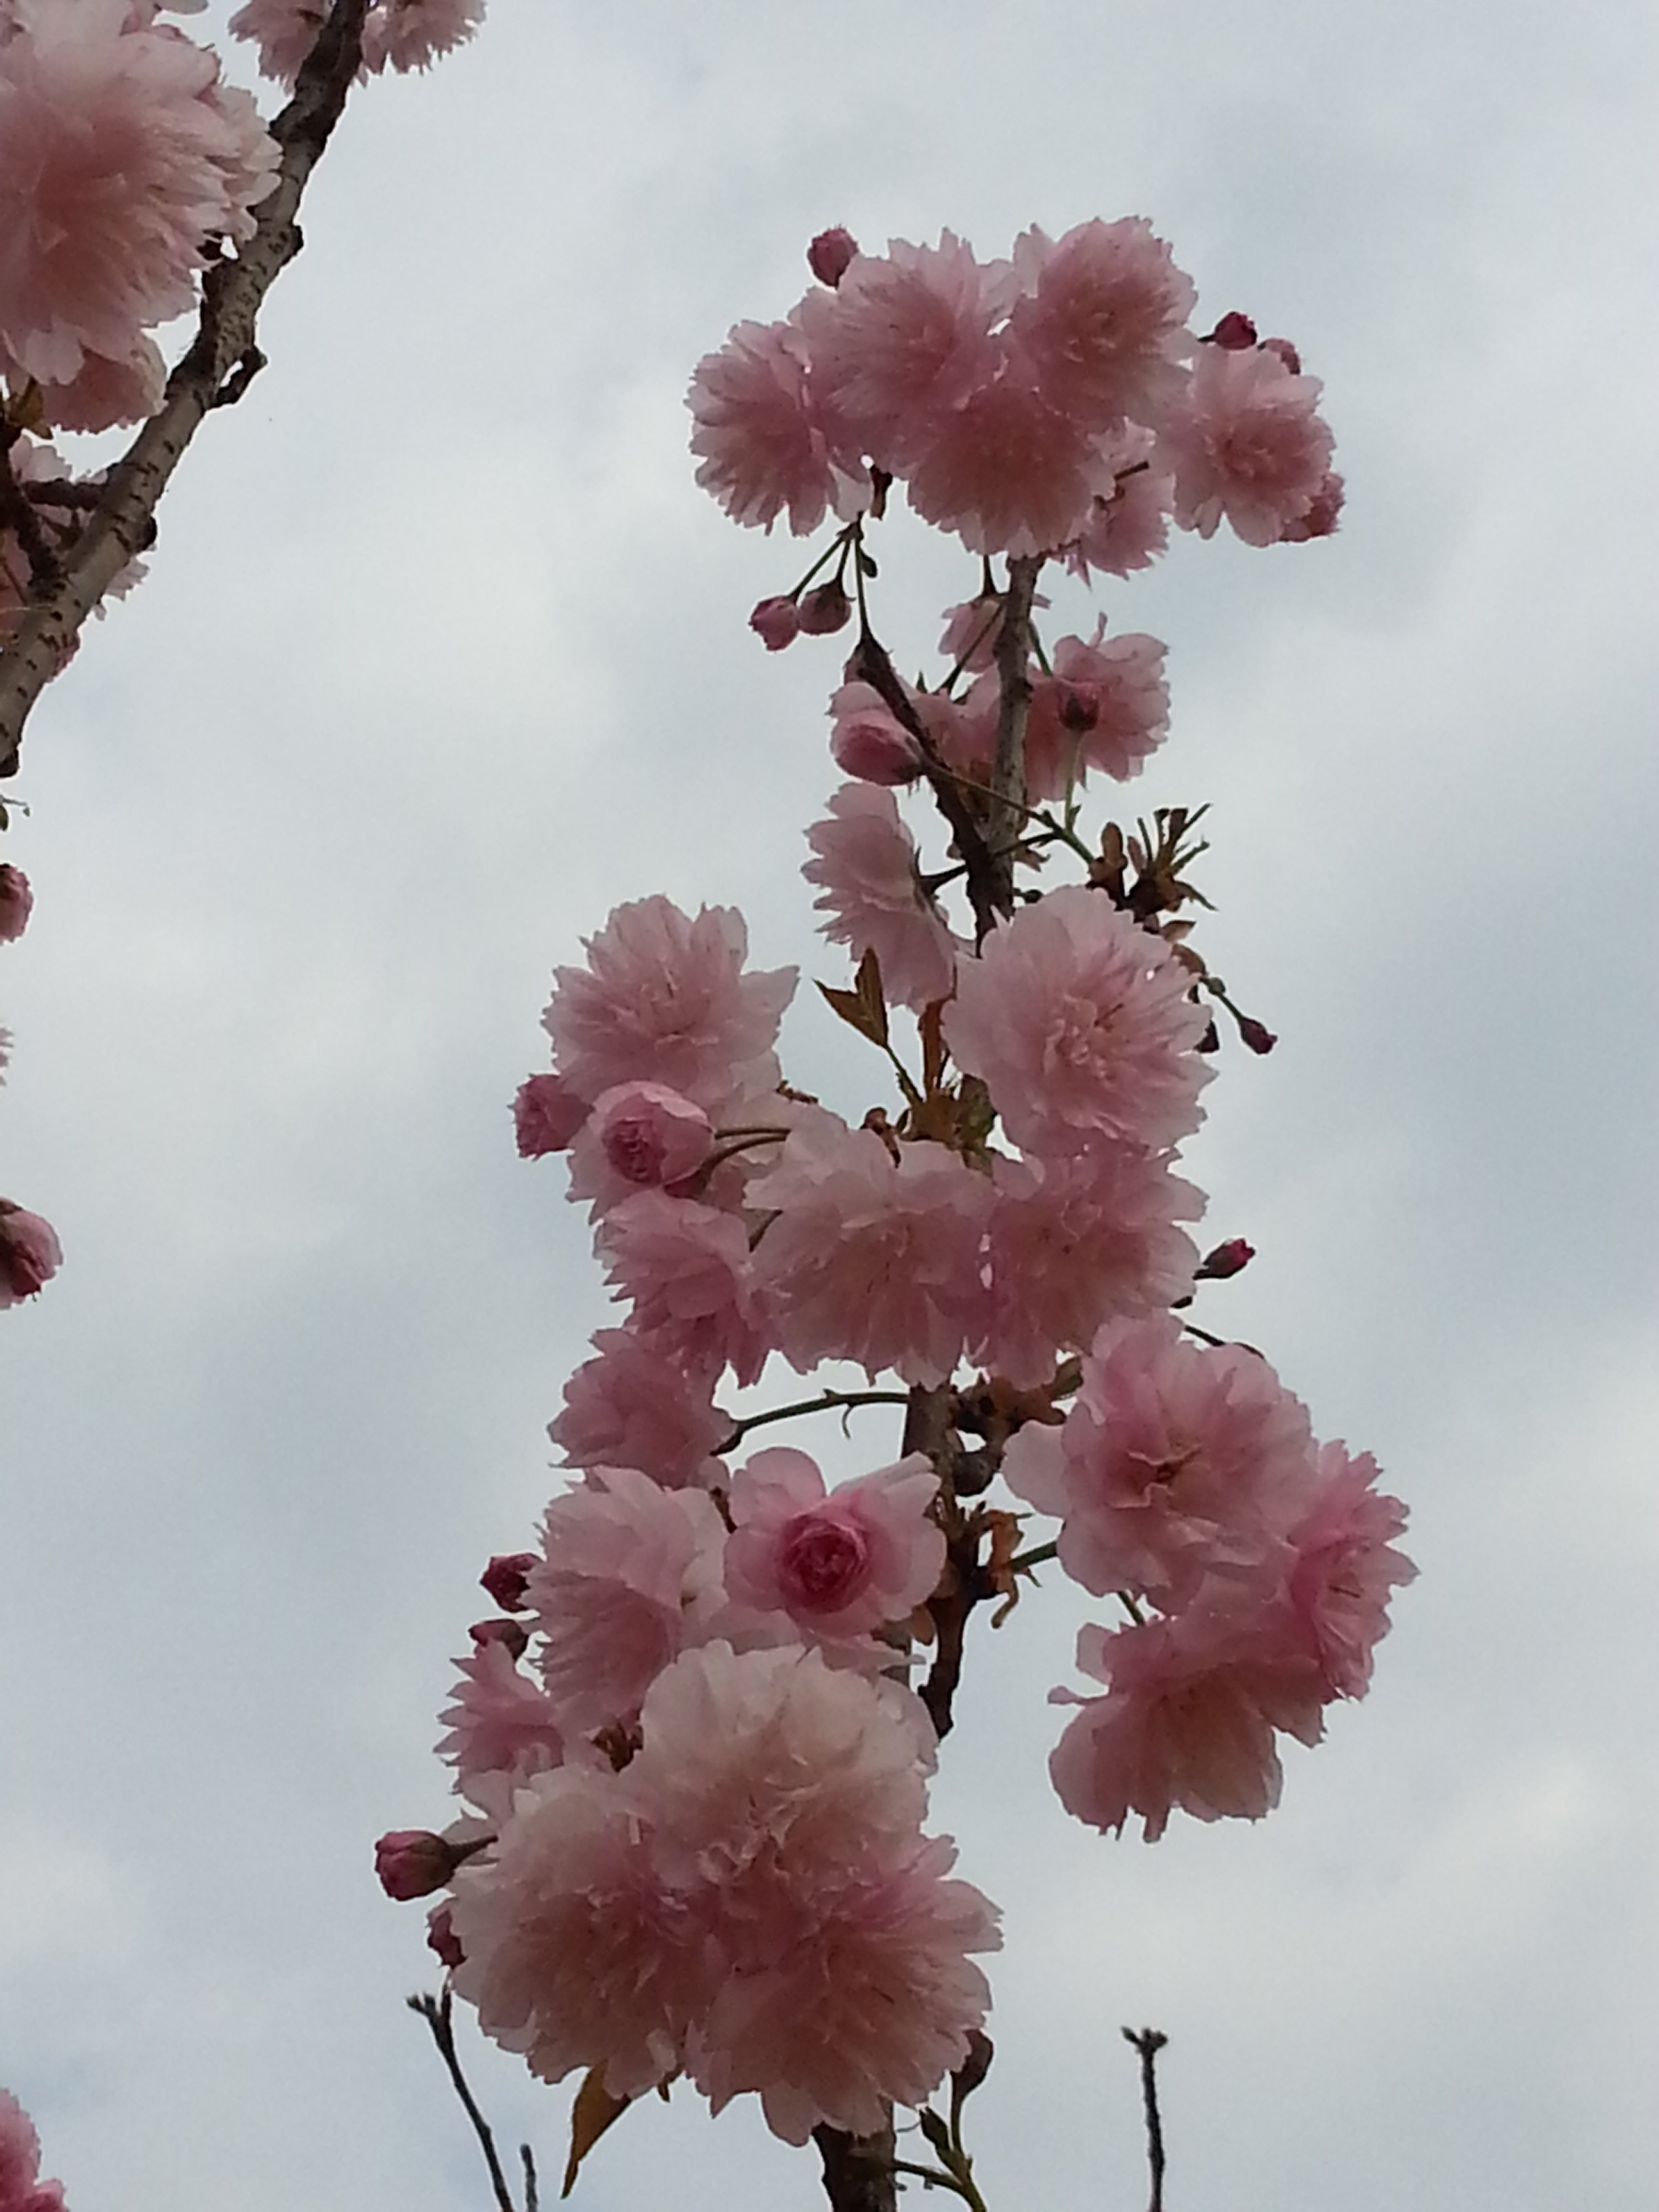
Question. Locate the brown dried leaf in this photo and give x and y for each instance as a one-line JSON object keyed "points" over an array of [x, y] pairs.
{"points": [[593, 2111]]}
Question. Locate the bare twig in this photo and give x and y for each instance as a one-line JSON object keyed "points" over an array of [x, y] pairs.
{"points": [[1013, 654], [215, 370], [1148, 2041], [531, 2197], [828, 1402], [435, 2012]]}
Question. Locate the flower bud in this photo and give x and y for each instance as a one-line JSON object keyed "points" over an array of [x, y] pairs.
{"points": [[776, 623], [15, 900], [1255, 1033], [441, 1939], [546, 1115], [1233, 333], [826, 609], [1226, 1259], [505, 1578], [30, 1254], [829, 254], [413, 1863], [513, 1633], [1286, 352]]}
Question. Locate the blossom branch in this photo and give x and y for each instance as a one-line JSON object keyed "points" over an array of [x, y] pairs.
{"points": [[217, 367], [1013, 650], [436, 2012], [1148, 2041], [828, 1402]]}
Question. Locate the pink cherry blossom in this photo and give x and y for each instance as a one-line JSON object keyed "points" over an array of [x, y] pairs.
{"points": [[867, 738], [865, 861], [640, 1135], [687, 1268], [546, 1115], [1248, 446], [1102, 319], [411, 34], [1106, 707], [1178, 1461], [666, 998], [1344, 1566], [121, 152], [1321, 517], [776, 623], [840, 1562], [284, 31], [768, 442], [412, 1862], [969, 637], [499, 1723], [1078, 1021], [634, 1405], [22, 2189], [16, 901], [630, 1572], [1128, 529], [870, 1258], [1073, 1243], [30, 1254], [1007, 471]]}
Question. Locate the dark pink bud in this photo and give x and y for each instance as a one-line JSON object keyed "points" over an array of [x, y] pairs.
{"points": [[546, 1115], [1233, 333], [441, 1939], [15, 900], [513, 1633], [826, 609], [827, 255], [505, 1578], [1210, 1042], [30, 1253], [1226, 1259], [776, 623], [1255, 1033], [413, 1863], [1321, 517], [1286, 352]]}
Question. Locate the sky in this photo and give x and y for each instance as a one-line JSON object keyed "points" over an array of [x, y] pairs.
{"points": [[440, 655]]}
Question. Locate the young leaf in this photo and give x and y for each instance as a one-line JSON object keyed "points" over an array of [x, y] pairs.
{"points": [[593, 2111]]}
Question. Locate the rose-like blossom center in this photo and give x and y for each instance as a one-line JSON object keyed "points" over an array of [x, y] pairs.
{"points": [[824, 1565], [634, 1150]]}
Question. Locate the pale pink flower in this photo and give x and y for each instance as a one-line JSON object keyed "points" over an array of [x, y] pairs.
{"points": [[1007, 471], [840, 1562], [104, 392], [1321, 517], [904, 340], [1344, 1568], [284, 31], [546, 1115], [969, 637], [30, 1254], [1189, 1721], [687, 1268], [767, 444], [1129, 528], [1177, 1462], [870, 1258], [408, 34], [1106, 707], [498, 1723], [664, 999], [872, 892], [16, 901], [1080, 1022], [121, 154], [1102, 319], [1073, 1243], [1247, 446], [630, 1573], [22, 2189], [633, 1405], [867, 738], [639, 1136]]}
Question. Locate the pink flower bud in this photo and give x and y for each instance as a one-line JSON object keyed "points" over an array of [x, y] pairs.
{"points": [[15, 900], [1233, 332], [1226, 1259], [649, 1134], [546, 1115], [505, 1578], [1320, 519], [413, 1863], [1286, 352], [1255, 1033], [829, 254], [776, 623], [30, 1254], [513, 1633], [441, 1939], [868, 740], [826, 609]]}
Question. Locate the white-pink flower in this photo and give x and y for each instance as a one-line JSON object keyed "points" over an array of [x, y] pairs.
{"points": [[769, 442], [687, 1268], [864, 860], [411, 34], [1343, 1567], [639, 1136], [634, 1405], [499, 1725], [1247, 446], [1008, 472], [1080, 1023], [1105, 707], [871, 1258], [1102, 319], [666, 998], [839, 1563], [868, 740]]}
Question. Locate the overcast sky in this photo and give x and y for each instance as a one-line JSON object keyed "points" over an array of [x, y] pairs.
{"points": [[440, 655]]}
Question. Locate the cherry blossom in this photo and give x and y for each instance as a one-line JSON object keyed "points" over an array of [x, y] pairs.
{"points": [[865, 861], [16, 901], [634, 1405], [1248, 446], [768, 443], [22, 2189], [839, 1562], [30, 1253]]}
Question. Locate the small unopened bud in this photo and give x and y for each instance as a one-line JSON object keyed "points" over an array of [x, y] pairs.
{"points": [[1210, 1042], [15, 900], [829, 254], [776, 623], [441, 1939], [1286, 352], [976, 2066], [505, 1578], [413, 1861], [1226, 1259], [30, 1254], [1233, 333], [513, 1633], [1321, 517], [1255, 1033], [826, 609], [546, 1115]]}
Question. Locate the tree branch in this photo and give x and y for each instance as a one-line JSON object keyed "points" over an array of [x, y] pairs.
{"points": [[215, 370], [1148, 2041], [436, 2012]]}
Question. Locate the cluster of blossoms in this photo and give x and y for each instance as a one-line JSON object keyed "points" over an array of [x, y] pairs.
{"points": [[29, 1251], [693, 1761], [22, 2189]]}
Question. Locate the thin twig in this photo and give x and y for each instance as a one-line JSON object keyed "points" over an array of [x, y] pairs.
{"points": [[531, 2199], [435, 2012], [1148, 2041], [829, 1401]]}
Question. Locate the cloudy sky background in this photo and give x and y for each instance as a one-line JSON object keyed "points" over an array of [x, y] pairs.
{"points": [[441, 655]]}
